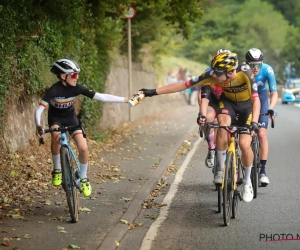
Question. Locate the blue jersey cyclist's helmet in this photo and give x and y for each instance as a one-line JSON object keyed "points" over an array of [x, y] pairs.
{"points": [[254, 55], [224, 62], [64, 66]]}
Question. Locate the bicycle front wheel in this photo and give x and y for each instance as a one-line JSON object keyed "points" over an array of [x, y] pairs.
{"points": [[228, 188], [239, 181], [69, 184], [219, 190]]}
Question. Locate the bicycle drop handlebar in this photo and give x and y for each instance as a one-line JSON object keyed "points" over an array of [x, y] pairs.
{"points": [[210, 125], [271, 117], [59, 129]]}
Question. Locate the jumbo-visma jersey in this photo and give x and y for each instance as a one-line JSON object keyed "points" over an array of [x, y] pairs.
{"points": [[242, 88]]}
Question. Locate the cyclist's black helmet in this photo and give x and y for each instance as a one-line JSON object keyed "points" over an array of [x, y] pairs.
{"points": [[64, 66], [254, 55]]}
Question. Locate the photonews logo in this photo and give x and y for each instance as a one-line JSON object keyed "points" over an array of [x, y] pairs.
{"points": [[278, 237]]}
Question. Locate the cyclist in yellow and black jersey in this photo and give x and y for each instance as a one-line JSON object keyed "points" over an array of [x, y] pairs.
{"points": [[241, 88], [239, 98]]}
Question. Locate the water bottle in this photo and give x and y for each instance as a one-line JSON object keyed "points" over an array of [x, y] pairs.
{"points": [[134, 100]]}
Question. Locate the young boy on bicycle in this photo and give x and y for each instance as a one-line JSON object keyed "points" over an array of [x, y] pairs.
{"points": [[60, 99]]}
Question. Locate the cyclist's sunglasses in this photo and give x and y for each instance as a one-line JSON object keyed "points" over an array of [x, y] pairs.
{"points": [[219, 73], [255, 65], [74, 75]]}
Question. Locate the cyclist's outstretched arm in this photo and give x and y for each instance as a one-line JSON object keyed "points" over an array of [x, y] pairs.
{"points": [[109, 98]]}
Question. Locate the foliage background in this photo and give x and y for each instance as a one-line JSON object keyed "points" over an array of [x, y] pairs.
{"points": [[35, 33]]}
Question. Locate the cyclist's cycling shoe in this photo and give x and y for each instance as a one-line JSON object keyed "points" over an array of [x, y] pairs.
{"points": [[247, 192], [210, 158], [218, 177], [56, 177], [86, 186], [264, 180]]}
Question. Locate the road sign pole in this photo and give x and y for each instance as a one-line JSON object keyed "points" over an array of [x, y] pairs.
{"points": [[129, 14], [129, 66]]}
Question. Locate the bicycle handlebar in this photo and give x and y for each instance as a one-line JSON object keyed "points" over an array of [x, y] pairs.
{"points": [[59, 129], [271, 117], [209, 126]]}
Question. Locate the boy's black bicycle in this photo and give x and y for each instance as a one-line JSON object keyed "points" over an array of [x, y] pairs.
{"points": [[70, 169]]}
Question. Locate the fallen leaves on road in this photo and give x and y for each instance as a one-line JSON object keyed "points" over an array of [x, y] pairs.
{"points": [[132, 225], [72, 246], [151, 203]]}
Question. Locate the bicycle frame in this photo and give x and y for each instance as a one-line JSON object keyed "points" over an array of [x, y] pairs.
{"points": [[65, 143], [232, 148]]}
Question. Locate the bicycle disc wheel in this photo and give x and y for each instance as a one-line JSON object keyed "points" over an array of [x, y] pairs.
{"points": [[69, 184], [254, 171], [228, 188]]}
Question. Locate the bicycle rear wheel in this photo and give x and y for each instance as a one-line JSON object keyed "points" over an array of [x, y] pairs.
{"points": [[69, 184], [228, 188], [256, 162]]}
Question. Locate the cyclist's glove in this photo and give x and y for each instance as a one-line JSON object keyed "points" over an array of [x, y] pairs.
{"points": [[201, 119], [272, 112], [40, 130], [254, 127], [149, 92]]}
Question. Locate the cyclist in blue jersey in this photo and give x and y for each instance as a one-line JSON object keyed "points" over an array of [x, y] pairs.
{"points": [[265, 79]]}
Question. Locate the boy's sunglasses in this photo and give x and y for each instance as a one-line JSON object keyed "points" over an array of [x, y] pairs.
{"points": [[74, 75]]}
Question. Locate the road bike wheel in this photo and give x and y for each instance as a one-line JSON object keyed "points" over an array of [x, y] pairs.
{"points": [[69, 184], [219, 191], [254, 171], [228, 188], [239, 181], [218, 187]]}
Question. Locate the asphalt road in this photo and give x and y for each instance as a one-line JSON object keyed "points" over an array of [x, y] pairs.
{"points": [[190, 221], [181, 213], [131, 169]]}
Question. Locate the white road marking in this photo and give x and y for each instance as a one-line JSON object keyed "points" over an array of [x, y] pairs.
{"points": [[152, 232]]}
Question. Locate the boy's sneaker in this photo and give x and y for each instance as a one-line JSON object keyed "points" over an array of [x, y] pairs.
{"points": [[86, 186], [56, 177]]}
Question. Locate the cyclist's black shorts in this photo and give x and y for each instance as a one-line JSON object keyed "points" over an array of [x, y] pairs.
{"points": [[66, 121], [241, 109]]}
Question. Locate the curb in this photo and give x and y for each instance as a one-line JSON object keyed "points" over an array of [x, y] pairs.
{"points": [[119, 231]]}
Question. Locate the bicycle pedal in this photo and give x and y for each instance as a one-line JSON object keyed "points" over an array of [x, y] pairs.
{"points": [[263, 184], [239, 195], [240, 181]]}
